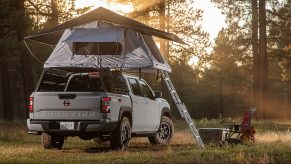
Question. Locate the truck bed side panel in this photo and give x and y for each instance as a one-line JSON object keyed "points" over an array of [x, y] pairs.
{"points": [[117, 102]]}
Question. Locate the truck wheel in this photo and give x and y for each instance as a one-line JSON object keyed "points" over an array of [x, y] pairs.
{"points": [[165, 133], [120, 138], [51, 141]]}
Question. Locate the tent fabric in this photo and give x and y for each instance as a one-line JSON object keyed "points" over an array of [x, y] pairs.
{"points": [[52, 35], [138, 50], [108, 34]]}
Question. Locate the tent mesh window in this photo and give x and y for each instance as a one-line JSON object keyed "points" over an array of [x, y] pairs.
{"points": [[97, 48]]}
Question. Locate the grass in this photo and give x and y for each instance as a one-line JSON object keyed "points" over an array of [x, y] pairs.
{"points": [[273, 145]]}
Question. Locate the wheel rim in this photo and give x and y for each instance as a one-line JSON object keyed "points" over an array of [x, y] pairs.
{"points": [[164, 131], [125, 135]]}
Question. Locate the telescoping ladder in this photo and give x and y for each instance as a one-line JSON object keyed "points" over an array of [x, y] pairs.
{"points": [[182, 109]]}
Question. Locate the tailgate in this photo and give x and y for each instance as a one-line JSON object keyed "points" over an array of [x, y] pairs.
{"points": [[66, 106]]}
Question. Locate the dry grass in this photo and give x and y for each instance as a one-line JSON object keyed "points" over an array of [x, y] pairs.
{"points": [[273, 146]]}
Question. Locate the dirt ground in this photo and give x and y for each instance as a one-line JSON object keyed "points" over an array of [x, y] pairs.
{"points": [[273, 145]]}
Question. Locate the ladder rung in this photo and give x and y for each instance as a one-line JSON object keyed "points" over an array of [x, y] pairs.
{"points": [[191, 123], [198, 137]]}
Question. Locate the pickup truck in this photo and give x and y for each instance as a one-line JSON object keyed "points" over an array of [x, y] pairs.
{"points": [[104, 105]]}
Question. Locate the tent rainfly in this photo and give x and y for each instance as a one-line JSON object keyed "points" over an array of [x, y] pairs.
{"points": [[104, 39]]}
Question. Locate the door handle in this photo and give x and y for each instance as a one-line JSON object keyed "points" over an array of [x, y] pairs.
{"points": [[134, 102]]}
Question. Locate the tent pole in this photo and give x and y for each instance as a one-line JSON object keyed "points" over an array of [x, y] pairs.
{"points": [[158, 73], [31, 53], [139, 73], [124, 36]]}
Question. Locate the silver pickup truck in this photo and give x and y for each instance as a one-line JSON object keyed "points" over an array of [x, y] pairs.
{"points": [[100, 105]]}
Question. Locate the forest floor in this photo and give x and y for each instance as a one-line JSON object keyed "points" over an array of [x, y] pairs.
{"points": [[273, 145]]}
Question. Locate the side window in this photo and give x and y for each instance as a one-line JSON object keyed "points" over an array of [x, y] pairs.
{"points": [[147, 92], [134, 87]]}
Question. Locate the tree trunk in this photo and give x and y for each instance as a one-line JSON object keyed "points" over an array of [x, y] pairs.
{"points": [[263, 85], [221, 94], [162, 13], [55, 13], [288, 97], [25, 61], [167, 53], [1, 92], [256, 64], [233, 93], [7, 103], [15, 97], [27, 76], [20, 8]]}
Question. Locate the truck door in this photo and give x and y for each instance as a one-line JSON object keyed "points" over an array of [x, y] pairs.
{"points": [[138, 105], [153, 112]]}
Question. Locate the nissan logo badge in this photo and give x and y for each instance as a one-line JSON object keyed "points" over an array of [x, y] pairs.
{"points": [[66, 103]]}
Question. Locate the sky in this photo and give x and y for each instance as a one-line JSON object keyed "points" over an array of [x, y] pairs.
{"points": [[212, 22]]}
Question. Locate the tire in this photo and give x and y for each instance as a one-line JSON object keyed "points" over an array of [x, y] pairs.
{"points": [[51, 141], [165, 133], [120, 138]]}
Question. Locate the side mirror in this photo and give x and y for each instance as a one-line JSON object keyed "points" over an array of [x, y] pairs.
{"points": [[158, 94]]}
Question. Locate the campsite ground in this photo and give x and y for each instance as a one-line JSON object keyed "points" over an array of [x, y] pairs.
{"points": [[273, 145]]}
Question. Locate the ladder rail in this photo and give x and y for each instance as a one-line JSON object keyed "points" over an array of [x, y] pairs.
{"points": [[182, 109]]}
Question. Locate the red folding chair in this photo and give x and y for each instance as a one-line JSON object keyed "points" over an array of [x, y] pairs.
{"points": [[242, 132]]}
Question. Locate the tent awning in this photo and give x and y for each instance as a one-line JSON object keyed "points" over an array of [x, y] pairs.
{"points": [[51, 36]]}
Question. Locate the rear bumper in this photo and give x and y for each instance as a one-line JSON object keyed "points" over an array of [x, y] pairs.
{"points": [[53, 126]]}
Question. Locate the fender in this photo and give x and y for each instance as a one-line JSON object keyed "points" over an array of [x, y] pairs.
{"points": [[124, 109], [165, 111]]}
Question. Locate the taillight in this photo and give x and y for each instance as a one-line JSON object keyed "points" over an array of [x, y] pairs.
{"points": [[30, 105], [105, 105]]}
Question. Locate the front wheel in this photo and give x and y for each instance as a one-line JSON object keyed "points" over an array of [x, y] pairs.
{"points": [[120, 138], [165, 133]]}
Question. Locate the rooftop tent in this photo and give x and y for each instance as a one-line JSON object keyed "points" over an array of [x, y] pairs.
{"points": [[104, 39], [101, 45]]}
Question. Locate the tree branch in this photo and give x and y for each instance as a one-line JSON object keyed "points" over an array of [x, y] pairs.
{"points": [[274, 13], [37, 8]]}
